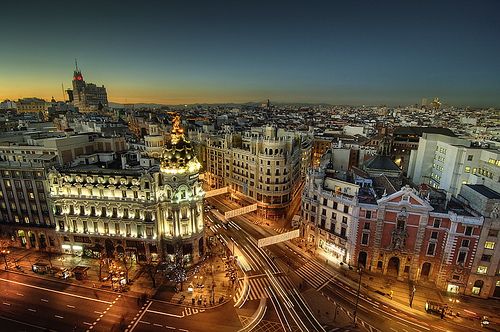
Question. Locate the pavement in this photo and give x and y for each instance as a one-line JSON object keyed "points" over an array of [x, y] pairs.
{"points": [[379, 287]]}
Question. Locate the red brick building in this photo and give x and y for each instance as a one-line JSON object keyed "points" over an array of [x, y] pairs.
{"points": [[409, 237]]}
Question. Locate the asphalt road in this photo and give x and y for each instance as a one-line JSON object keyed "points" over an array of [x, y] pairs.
{"points": [[33, 304], [372, 315]]}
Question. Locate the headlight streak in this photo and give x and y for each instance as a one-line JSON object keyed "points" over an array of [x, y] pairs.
{"points": [[303, 305], [273, 299]]}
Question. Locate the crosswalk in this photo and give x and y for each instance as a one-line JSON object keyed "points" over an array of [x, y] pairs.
{"points": [[258, 286], [313, 274]]}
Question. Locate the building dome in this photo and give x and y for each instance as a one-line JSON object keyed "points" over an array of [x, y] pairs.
{"points": [[178, 155]]}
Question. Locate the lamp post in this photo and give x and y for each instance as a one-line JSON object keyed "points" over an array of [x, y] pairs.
{"points": [[360, 271], [412, 295]]}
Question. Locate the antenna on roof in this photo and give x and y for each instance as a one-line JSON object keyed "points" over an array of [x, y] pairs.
{"points": [[76, 65]]}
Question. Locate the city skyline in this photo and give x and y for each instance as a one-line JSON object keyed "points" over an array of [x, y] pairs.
{"points": [[390, 53]]}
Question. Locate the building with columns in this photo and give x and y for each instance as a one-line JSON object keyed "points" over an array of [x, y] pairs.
{"points": [[399, 231], [263, 165], [152, 211]]}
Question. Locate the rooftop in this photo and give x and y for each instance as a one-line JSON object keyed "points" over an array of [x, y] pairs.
{"points": [[485, 191]]}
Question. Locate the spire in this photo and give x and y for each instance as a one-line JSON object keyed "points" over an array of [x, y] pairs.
{"points": [[76, 65]]}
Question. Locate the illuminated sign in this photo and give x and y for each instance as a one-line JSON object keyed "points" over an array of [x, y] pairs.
{"points": [[240, 211]]}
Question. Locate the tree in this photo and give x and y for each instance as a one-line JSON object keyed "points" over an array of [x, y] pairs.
{"points": [[151, 268], [126, 261]]}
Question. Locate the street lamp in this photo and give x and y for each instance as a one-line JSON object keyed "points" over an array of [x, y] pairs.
{"points": [[412, 295], [360, 271]]}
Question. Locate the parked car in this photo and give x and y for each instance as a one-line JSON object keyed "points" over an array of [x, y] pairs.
{"points": [[40, 267]]}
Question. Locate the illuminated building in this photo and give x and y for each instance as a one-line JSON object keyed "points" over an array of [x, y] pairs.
{"points": [[262, 165], [88, 97], [397, 231], [154, 211]]}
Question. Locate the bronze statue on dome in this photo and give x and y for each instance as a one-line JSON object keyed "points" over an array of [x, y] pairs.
{"points": [[177, 130]]}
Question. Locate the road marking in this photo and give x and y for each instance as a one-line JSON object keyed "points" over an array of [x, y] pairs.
{"points": [[70, 306], [142, 314], [44, 300], [165, 313], [144, 322], [394, 329], [19, 294], [5, 303], [86, 323], [170, 327], [159, 325], [32, 310], [57, 316], [97, 312], [183, 330], [54, 291], [27, 324]]}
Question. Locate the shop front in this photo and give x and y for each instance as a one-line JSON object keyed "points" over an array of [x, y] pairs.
{"points": [[332, 251]]}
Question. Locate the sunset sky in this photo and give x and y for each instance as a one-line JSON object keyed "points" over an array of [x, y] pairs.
{"points": [[346, 52]]}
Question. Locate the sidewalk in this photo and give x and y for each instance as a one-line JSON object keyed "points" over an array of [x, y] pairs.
{"points": [[379, 287], [25, 258]]}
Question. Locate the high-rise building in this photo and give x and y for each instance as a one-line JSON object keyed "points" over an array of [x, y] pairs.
{"points": [[447, 163], [88, 97]]}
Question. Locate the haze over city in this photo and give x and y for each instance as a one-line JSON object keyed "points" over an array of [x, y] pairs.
{"points": [[338, 52]]}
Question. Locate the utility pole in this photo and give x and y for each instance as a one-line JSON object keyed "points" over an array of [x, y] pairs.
{"points": [[360, 271]]}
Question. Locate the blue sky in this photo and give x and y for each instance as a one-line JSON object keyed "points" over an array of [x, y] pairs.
{"points": [[348, 52]]}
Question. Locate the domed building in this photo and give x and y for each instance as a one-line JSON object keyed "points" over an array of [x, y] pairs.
{"points": [[152, 212], [180, 199]]}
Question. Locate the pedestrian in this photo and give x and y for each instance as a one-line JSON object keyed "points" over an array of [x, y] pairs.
{"points": [[442, 313], [391, 293]]}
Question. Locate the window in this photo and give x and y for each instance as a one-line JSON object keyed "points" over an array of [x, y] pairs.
{"points": [[344, 220], [335, 205], [489, 245], [115, 212], [146, 185], [434, 235], [117, 228], [127, 230], [103, 212], [368, 214], [75, 226], [468, 230], [149, 231], [485, 258], [465, 243], [342, 232], [106, 228], [323, 212], [469, 157], [461, 257], [96, 227], [367, 226], [82, 211], [346, 208], [334, 215], [364, 238], [431, 249], [482, 269], [325, 201], [85, 226], [124, 193]]}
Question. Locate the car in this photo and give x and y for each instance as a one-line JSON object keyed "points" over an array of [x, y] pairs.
{"points": [[40, 267]]}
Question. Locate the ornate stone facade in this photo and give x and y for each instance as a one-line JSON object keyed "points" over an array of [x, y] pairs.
{"points": [[151, 212]]}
